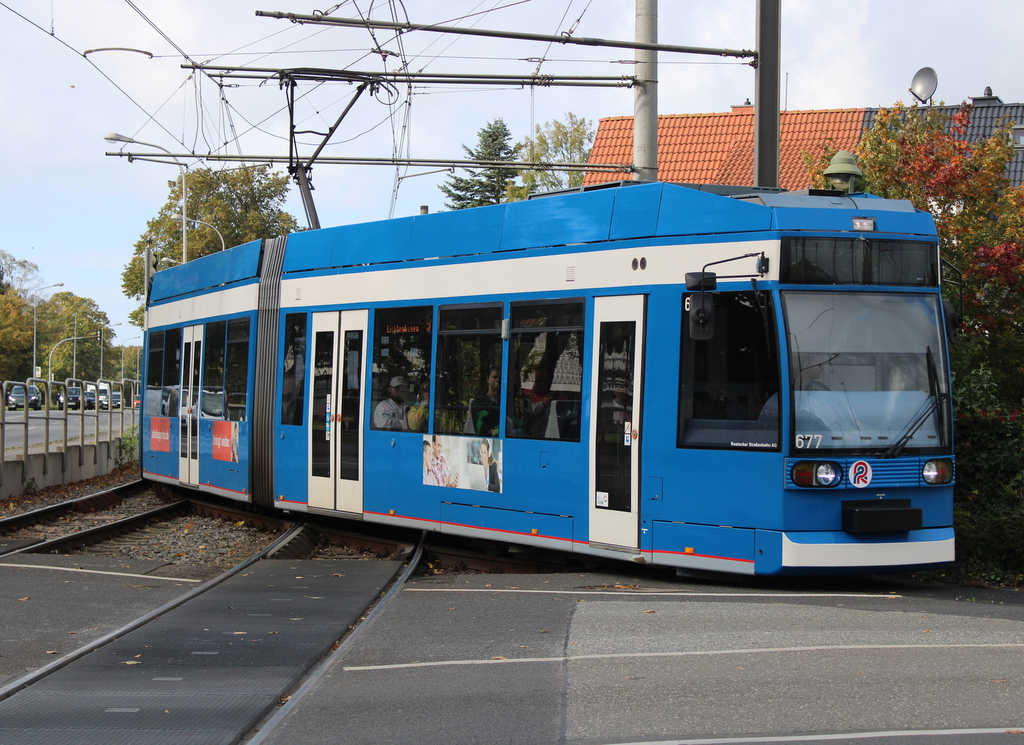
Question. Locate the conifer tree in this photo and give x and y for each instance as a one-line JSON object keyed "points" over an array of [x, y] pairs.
{"points": [[487, 184]]}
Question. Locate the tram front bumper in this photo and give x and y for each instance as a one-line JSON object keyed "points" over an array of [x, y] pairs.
{"points": [[798, 552]]}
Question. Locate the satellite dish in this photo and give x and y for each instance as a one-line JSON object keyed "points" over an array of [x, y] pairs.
{"points": [[924, 84]]}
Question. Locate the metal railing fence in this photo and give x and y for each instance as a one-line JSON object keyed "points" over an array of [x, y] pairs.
{"points": [[49, 404]]}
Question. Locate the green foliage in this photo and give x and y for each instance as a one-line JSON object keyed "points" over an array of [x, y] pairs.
{"points": [[989, 502], [17, 274], [243, 204], [556, 142], [65, 316], [128, 447], [488, 184], [15, 337], [919, 154]]}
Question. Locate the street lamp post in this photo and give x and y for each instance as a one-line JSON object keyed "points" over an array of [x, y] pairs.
{"points": [[177, 218], [115, 137], [35, 305]]}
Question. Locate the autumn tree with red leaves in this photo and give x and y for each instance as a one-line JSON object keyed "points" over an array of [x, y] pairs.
{"points": [[920, 154]]}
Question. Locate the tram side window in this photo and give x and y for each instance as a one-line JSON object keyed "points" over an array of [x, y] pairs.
{"points": [[545, 372], [729, 394], [212, 402], [468, 381], [163, 374], [401, 364], [236, 369], [293, 385]]}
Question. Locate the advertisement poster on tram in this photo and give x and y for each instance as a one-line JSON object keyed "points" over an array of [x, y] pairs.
{"points": [[160, 434], [462, 462], [225, 441]]}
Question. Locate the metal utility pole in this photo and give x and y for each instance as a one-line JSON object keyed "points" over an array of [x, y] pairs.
{"points": [[766, 94], [645, 96]]}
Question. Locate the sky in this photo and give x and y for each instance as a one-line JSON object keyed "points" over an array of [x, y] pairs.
{"points": [[76, 212]]}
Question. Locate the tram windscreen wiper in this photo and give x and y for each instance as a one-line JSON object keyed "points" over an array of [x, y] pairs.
{"points": [[929, 408]]}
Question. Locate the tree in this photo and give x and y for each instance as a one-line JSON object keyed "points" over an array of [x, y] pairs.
{"points": [[488, 184], [15, 337], [243, 204], [555, 142], [920, 154], [66, 316], [17, 274]]}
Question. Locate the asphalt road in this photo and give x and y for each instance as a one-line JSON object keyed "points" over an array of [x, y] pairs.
{"points": [[586, 659]]}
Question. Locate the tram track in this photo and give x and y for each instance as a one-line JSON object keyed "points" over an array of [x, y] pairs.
{"points": [[142, 520]]}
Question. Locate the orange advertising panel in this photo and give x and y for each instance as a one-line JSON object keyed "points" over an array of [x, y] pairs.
{"points": [[160, 434], [225, 441]]}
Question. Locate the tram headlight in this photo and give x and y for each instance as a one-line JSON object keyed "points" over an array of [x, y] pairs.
{"points": [[937, 471], [811, 473]]}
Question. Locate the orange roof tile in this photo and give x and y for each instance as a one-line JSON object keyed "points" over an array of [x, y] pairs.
{"points": [[719, 148]]}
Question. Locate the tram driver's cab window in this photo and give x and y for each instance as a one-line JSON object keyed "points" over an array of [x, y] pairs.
{"points": [[729, 384], [401, 366]]}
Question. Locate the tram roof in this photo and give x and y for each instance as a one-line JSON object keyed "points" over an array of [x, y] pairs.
{"points": [[592, 217]]}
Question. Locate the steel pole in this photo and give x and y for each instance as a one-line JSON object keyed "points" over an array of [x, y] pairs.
{"points": [[766, 94], [645, 95]]}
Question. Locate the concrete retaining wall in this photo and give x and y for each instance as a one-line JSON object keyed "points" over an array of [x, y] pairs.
{"points": [[78, 463]]}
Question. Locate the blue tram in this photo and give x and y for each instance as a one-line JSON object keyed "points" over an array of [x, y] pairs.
{"points": [[752, 382]]}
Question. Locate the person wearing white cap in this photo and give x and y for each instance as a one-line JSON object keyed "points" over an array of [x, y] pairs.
{"points": [[390, 412]]}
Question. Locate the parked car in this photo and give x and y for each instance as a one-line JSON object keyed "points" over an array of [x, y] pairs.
{"points": [[35, 397], [104, 399], [72, 398], [90, 399], [136, 400], [115, 399], [16, 398]]}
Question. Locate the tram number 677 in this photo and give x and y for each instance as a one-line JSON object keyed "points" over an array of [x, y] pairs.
{"points": [[808, 442]]}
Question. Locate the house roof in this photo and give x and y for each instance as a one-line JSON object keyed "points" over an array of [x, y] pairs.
{"points": [[719, 148]]}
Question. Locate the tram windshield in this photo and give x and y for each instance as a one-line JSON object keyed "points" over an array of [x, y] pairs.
{"points": [[868, 372]]}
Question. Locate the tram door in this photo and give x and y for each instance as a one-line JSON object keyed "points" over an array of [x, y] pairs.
{"points": [[615, 408], [336, 411], [188, 404]]}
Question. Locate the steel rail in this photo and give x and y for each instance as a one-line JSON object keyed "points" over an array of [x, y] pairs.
{"points": [[13, 687], [99, 500], [336, 657], [101, 532]]}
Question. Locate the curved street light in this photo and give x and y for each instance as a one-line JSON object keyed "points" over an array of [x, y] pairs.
{"points": [[115, 137], [178, 218]]}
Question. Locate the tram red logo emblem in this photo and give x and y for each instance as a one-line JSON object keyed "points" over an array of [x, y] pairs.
{"points": [[860, 474], [160, 434]]}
